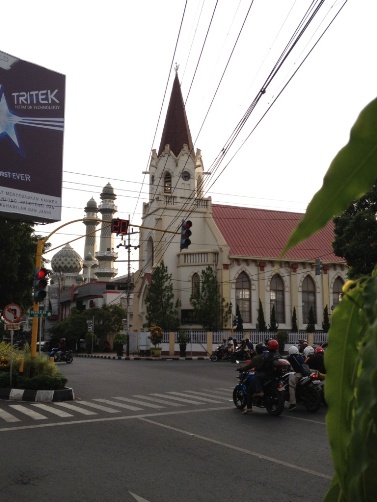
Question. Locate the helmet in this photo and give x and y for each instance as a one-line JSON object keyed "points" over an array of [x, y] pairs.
{"points": [[308, 351], [319, 350], [292, 350], [260, 348], [272, 345]]}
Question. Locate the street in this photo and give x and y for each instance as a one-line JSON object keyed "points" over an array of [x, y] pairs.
{"points": [[159, 431]]}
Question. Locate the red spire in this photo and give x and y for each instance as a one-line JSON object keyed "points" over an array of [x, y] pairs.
{"points": [[176, 131]]}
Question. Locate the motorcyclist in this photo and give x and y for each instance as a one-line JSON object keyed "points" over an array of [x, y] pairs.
{"points": [[308, 353], [317, 361], [62, 346], [255, 363], [296, 360], [267, 367]]}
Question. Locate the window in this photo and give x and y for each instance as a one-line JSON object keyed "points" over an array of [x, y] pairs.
{"points": [[195, 284], [243, 296], [308, 298], [167, 183], [277, 297], [337, 292]]}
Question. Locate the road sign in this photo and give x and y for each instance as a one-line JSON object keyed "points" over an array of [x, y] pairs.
{"points": [[12, 312], [12, 325], [40, 313]]}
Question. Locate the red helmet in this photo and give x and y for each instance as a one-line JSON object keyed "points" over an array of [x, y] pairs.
{"points": [[319, 350], [273, 345]]}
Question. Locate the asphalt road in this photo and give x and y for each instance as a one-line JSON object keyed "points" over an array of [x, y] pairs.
{"points": [[158, 431]]}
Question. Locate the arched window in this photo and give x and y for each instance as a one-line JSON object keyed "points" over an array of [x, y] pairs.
{"points": [[243, 296], [337, 292], [195, 284], [277, 297], [308, 298], [167, 183]]}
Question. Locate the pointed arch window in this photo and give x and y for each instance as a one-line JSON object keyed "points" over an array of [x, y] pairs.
{"points": [[337, 291], [167, 183], [308, 298], [243, 296], [195, 284], [277, 297]]}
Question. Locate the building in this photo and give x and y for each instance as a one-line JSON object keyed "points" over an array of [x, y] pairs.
{"points": [[243, 245]]}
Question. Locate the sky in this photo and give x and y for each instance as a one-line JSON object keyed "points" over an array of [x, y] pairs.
{"points": [[119, 59]]}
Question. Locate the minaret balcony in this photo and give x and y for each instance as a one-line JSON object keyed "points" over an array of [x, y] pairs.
{"points": [[107, 206], [105, 272], [106, 255]]}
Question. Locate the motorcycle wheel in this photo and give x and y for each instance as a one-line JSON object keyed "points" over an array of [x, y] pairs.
{"points": [[274, 402], [69, 359], [312, 399], [239, 398], [233, 358], [213, 358]]}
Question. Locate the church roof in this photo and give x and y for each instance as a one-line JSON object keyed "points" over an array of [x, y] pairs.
{"points": [[263, 233], [176, 131]]}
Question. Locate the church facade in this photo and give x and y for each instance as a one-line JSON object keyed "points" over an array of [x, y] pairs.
{"points": [[243, 245]]}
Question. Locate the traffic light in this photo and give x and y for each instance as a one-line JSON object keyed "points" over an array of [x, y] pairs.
{"points": [[40, 284], [119, 226], [185, 234], [318, 266]]}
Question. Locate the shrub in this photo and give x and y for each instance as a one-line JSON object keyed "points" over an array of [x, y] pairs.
{"points": [[282, 338], [44, 382]]}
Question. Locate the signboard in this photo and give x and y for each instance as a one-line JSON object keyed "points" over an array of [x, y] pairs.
{"points": [[40, 313], [12, 312], [31, 140], [12, 326]]}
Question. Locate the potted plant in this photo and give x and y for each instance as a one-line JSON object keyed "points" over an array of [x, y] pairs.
{"points": [[183, 339], [119, 341], [155, 336]]}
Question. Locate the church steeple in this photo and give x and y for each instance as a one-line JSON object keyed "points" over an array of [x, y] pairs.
{"points": [[176, 131]]}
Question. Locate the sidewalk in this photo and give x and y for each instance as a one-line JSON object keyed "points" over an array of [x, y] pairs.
{"points": [[164, 357]]}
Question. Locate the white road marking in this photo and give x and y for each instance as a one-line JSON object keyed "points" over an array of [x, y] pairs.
{"points": [[99, 407], [139, 401], [8, 417], [54, 411], [181, 399], [27, 411], [73, 407], [119, 405], [149, 398], [196, 396]]}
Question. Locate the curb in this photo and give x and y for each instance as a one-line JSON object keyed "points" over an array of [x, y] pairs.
{"points": [[144, 358], [37, 396]]}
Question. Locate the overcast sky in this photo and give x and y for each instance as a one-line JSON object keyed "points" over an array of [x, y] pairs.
{"points": [[119, 57]]}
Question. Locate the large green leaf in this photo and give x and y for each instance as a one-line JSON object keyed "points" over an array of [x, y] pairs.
{"points": [[341, 360], [350, 175]]}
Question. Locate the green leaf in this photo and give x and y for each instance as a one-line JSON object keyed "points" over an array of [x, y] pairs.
{"points": [[350, 175], [341, 359]]}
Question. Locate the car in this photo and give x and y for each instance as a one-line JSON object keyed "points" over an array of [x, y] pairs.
{"points": [[45, 345]]}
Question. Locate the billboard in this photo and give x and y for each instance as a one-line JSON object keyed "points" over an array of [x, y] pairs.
{"points": [[31, 140]]}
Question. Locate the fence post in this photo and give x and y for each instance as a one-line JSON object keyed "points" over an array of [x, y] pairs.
{"points": [[209, 341], [310, 339], [171, 343]]}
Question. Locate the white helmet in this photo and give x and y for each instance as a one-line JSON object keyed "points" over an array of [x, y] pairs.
{"points": [[292, 350], [308, 351]]}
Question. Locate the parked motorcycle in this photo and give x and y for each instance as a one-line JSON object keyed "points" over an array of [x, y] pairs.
{"points": [[308, 391], [273, 388], [65, 356]]}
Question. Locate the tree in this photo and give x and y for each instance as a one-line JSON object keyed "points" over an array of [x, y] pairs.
{"points": [[294, 321], [351, 390], [273, 327], [239, 325], [356, 234], [209, 309], [161, 310], [17, 262], [326, 320], [262, 326], [310, 328]]}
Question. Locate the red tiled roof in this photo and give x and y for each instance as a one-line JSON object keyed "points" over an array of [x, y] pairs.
{"points": [[176, 131], [262, 233]]}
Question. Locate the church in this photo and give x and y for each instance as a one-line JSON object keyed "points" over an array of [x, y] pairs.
{"points": [[247, 261]]}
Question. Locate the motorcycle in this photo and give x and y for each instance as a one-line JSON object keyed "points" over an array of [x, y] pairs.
{"points": [[308, 391], [240, 354], [220, 354], [273, 388], [65, 356]]}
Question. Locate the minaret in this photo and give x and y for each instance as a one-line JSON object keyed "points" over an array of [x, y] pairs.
{"points": [[106, 255], [90, 262]]}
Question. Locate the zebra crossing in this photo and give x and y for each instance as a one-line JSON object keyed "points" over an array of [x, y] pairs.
{"points": [[157, 401]]}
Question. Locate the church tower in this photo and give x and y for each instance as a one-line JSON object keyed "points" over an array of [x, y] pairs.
{"points": [[106, 255]]}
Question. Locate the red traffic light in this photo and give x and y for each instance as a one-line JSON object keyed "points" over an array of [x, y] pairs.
{"points": [[185, 234], [40, 284]]}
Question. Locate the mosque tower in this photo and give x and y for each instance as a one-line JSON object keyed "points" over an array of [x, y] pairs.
{"points": [[90, 263], [106, 255]]}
